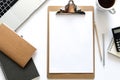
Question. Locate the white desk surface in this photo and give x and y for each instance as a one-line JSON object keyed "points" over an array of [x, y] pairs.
{"points": [[34, 30]]}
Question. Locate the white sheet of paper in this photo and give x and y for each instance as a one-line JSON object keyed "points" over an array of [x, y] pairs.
{"points": [[71, 43]]}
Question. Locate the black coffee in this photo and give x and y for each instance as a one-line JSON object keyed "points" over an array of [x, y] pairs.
{"points": [[106, 3]]}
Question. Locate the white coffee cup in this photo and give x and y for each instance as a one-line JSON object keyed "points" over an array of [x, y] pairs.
{"points": [[109, 8]]}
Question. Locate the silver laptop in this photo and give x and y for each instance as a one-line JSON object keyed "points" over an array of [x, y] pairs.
{"points": [[14, 12]]}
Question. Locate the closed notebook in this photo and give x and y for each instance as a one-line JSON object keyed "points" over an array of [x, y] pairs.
{"points": [[12, 71], [14, 46]]}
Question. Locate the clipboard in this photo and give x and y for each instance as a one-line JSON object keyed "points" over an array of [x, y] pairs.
{"points": [[68, 75]]}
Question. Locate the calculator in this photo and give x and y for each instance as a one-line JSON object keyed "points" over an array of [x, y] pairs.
{"points": [[116, 35]]}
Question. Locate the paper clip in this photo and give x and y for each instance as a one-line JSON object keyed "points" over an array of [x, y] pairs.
{"points": [[71, 8]]}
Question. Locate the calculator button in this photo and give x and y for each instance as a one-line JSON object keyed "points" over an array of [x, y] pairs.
{"points": [[116, 39], [119, 50], [118, 44]]}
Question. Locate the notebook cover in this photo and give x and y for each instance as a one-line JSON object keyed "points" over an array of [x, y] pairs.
{"points": [[12, 71], [14, 46]]}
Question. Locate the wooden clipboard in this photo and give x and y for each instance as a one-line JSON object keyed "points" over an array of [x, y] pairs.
{"points": [[69, 75]]}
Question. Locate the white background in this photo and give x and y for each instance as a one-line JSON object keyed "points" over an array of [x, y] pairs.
{"points": [[34, 30]]}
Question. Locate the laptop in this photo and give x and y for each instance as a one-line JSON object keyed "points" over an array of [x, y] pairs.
{"points": [[14, 12]]}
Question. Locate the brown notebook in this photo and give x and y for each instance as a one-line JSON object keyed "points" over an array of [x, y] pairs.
{"points": [[14, 46]]}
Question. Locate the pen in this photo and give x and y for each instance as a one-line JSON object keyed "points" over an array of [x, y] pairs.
{"points": [[103, 39]]}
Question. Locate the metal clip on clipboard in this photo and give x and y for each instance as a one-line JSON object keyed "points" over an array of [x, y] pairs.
{"points": [[71, 8]]}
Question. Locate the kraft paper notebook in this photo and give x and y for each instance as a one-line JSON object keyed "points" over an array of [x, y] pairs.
{"points": [[14, 46], [12, 71], [70, 44]]}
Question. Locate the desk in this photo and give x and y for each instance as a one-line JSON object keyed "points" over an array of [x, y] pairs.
{"points": [[34, 30]]}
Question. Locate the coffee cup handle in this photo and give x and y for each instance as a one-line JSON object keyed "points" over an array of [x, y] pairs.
{"points": [[112, 11]]}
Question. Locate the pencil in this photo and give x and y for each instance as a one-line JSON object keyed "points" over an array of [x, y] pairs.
{"points": [[99, 48]]}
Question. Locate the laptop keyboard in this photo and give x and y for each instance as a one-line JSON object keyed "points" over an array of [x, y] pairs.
{"points": [[5, 5]]}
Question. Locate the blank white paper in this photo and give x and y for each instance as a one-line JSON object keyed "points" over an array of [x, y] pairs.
{"points": [[71, 43]]}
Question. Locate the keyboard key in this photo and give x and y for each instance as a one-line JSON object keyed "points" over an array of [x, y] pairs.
{"points": [[4, 11], [1, 13], [2, 7], [13, 2], [7, 7], [1, 3]]}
